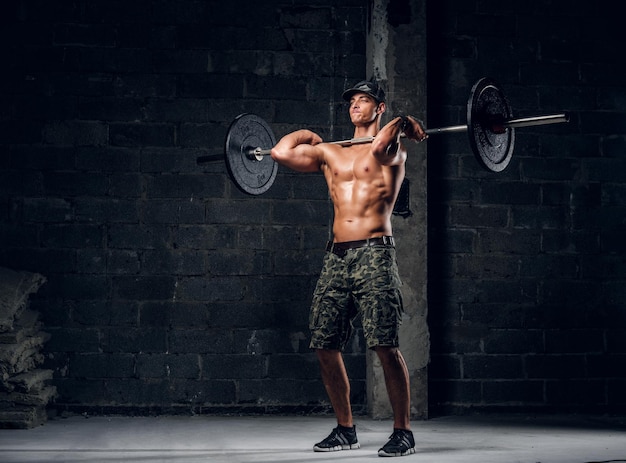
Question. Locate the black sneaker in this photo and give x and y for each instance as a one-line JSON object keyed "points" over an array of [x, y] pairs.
{"points": [[341, 438], [400, 443]]}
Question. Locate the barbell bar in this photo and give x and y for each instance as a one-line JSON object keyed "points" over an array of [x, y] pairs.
{"points": [[496, 127], [490, 128]]}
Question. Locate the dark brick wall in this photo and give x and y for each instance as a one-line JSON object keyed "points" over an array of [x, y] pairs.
{"points": [[168, 288], [526, 267]]}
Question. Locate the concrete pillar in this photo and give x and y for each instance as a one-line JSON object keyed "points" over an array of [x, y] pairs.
{"points": [[396, 56]]}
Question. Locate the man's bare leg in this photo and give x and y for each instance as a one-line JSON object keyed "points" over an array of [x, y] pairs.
{"points": [[337, 384], [397, 382]]}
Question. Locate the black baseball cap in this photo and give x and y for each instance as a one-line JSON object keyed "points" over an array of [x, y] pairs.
{"points": [[365, 86]]}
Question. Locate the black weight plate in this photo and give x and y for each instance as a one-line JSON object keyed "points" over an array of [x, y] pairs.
{"points": [[246, 133], [487, 103]]}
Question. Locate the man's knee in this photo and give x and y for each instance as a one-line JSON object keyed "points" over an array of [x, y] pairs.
{"points": [[387, 354], [326, 356]]}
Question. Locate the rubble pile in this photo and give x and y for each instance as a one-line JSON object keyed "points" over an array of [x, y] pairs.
{"points": [[24, 389]]}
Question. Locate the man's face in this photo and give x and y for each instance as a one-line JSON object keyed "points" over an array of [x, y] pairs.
{"points": [[363, 109]]}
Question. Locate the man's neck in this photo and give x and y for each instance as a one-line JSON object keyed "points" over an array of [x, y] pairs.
{"points": [[369, 130]]}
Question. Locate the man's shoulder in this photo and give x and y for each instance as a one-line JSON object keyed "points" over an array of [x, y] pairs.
{"points": [[331, 152]]}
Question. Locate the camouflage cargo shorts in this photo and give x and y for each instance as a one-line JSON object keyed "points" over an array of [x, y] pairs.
{"points": [[364, 282]]}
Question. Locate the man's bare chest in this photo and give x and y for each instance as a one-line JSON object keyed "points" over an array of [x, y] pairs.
{"points": [[354, 167]]}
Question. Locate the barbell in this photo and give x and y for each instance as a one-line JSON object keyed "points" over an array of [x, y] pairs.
{"points": [[490, 127]]}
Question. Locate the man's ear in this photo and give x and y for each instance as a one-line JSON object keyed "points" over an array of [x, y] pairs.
{"points": [[381, 108]]}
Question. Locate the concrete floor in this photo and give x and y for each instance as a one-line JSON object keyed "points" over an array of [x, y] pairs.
{"points": [[268, 439]]}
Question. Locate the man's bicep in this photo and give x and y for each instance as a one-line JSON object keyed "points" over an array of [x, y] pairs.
{"points": [[314, 155], [305, 158]]}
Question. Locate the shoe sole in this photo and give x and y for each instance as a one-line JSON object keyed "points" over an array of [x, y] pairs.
{"points": [[382, 453], [336, 448]]}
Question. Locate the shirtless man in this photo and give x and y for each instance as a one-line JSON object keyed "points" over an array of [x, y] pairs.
{"points": [[359, 275]]}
